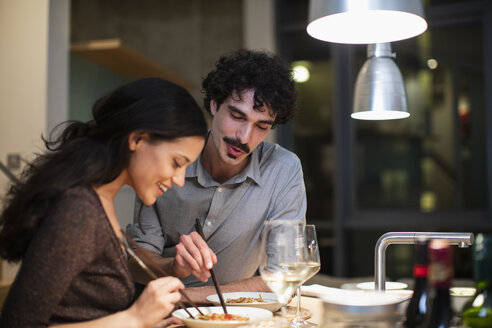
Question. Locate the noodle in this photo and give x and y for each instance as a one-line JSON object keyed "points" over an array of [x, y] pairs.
{"points": [[245, 300], [222, 317]]}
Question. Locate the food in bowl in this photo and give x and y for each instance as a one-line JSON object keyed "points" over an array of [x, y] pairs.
{"points": [[222, 317], [246, 300], [252, 313], [269, 303]]}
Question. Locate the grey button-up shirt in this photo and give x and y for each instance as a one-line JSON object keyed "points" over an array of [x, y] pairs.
{"points": [[232, 214]]}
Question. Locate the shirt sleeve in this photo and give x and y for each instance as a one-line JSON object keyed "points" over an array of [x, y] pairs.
{"points": [[64, 245], [289, 201], [146, 231]]}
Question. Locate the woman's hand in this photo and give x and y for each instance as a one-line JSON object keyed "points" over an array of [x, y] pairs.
{"points": [[193, 256], [156, 301], [169, 321]]}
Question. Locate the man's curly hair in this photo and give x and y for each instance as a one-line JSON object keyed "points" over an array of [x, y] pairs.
{"points": [[244, 69]]}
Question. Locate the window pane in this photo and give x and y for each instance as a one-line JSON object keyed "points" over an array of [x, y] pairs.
{"points": [[313, 138], [434, 160]]}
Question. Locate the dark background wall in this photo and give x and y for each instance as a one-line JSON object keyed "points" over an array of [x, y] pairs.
{"points": [[186, 37]]}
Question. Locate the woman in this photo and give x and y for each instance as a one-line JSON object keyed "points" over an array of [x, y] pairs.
{"points": [[61, 222]]}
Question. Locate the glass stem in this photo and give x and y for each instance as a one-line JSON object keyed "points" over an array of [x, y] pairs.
{"points": [[284, 310], [298, 312]]}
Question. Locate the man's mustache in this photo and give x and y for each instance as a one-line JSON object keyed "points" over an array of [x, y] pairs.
{"points": [[236, 143]]}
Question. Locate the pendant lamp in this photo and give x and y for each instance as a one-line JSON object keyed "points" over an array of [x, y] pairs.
{"points": [[365, 21], [379, 89]]}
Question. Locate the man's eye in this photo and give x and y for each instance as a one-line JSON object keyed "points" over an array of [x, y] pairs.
{"points": [[237, 117], [262, 127]]}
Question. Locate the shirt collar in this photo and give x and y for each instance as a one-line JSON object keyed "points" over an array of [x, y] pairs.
{"points": [[252, 171]]}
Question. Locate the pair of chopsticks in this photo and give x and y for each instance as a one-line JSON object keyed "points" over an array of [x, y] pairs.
{"points": [[198, 228], [154, 266]]}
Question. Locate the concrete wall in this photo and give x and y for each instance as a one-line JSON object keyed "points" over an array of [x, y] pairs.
{"points": [[23, 32], [186, 37], [23, 76], [33, 79]]}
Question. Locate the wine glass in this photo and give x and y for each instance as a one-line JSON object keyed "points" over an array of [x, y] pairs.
{"points": [[283, 258], [313, 265]]}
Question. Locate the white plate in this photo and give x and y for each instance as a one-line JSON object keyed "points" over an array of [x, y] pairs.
{"points": [[271, 303], [254, 314], [390, 285], [318, 290]]}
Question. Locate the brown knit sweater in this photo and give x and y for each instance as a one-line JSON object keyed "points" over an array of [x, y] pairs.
{"points": [[74, 269]]}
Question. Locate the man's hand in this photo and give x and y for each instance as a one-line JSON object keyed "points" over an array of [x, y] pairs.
{"points": [[193, 256]]}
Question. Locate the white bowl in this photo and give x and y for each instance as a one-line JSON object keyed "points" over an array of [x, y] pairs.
{"points": [[459, 296], [254, 314], [271, 303], [360, 306], [364, 298], [389, 285]]}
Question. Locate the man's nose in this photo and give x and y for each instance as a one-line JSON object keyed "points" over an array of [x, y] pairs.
{"points": [[244, 133]]}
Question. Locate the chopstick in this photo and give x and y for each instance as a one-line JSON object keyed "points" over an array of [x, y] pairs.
{"points": [[198, 228], [150, 273], [156, 267]]}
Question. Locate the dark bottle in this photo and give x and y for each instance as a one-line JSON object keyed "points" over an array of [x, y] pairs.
{"points": [[477, 312], [417, 308], [440, 313]]}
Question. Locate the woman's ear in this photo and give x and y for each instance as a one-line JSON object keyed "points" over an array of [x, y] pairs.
{"points": [[135, 140]]}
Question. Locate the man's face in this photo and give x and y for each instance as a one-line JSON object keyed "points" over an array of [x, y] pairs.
{"points": [[238, 128]]}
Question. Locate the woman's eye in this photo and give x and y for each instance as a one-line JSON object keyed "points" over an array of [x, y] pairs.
{"points": [[176, 164]]}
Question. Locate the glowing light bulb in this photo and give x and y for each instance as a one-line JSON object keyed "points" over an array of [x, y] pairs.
{"points": [[301, 73], [432, 63]]}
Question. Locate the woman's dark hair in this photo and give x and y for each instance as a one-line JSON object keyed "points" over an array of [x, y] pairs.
{"points": [[94, 152], [267, 74]]}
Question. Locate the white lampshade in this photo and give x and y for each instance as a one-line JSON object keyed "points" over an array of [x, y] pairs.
{"points": [[365, 21], [379, 88]]}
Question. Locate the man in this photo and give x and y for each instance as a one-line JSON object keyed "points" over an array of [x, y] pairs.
{"points": [[238, 182]]}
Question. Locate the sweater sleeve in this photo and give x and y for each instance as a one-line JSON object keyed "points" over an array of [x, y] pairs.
{"points": [[62, 247]]}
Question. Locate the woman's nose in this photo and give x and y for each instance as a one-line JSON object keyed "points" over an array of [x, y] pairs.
{"points": [[179, 178]]}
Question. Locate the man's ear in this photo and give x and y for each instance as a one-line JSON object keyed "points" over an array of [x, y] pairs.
{"points": [[213, 107], [135, 140]]}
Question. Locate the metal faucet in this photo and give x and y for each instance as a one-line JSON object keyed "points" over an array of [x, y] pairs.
{"points": [[462, 239]]}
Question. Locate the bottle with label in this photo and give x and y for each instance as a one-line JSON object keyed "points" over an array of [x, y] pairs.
{"points": [[417, 308], [477, 312], [440, 313]]}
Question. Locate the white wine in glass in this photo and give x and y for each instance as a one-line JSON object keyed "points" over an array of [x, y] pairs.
{"points": [[283, 263], [313, 268], [313, 265]]}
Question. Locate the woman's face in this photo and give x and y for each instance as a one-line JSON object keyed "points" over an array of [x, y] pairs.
{"points": [[156, 166]]}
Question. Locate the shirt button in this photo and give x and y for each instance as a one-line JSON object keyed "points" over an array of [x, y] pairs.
{"points": [[219, 189], [208, 223]]}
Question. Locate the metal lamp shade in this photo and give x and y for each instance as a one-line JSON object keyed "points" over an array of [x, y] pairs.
{"points": [[379, 88], [365, 21]]}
